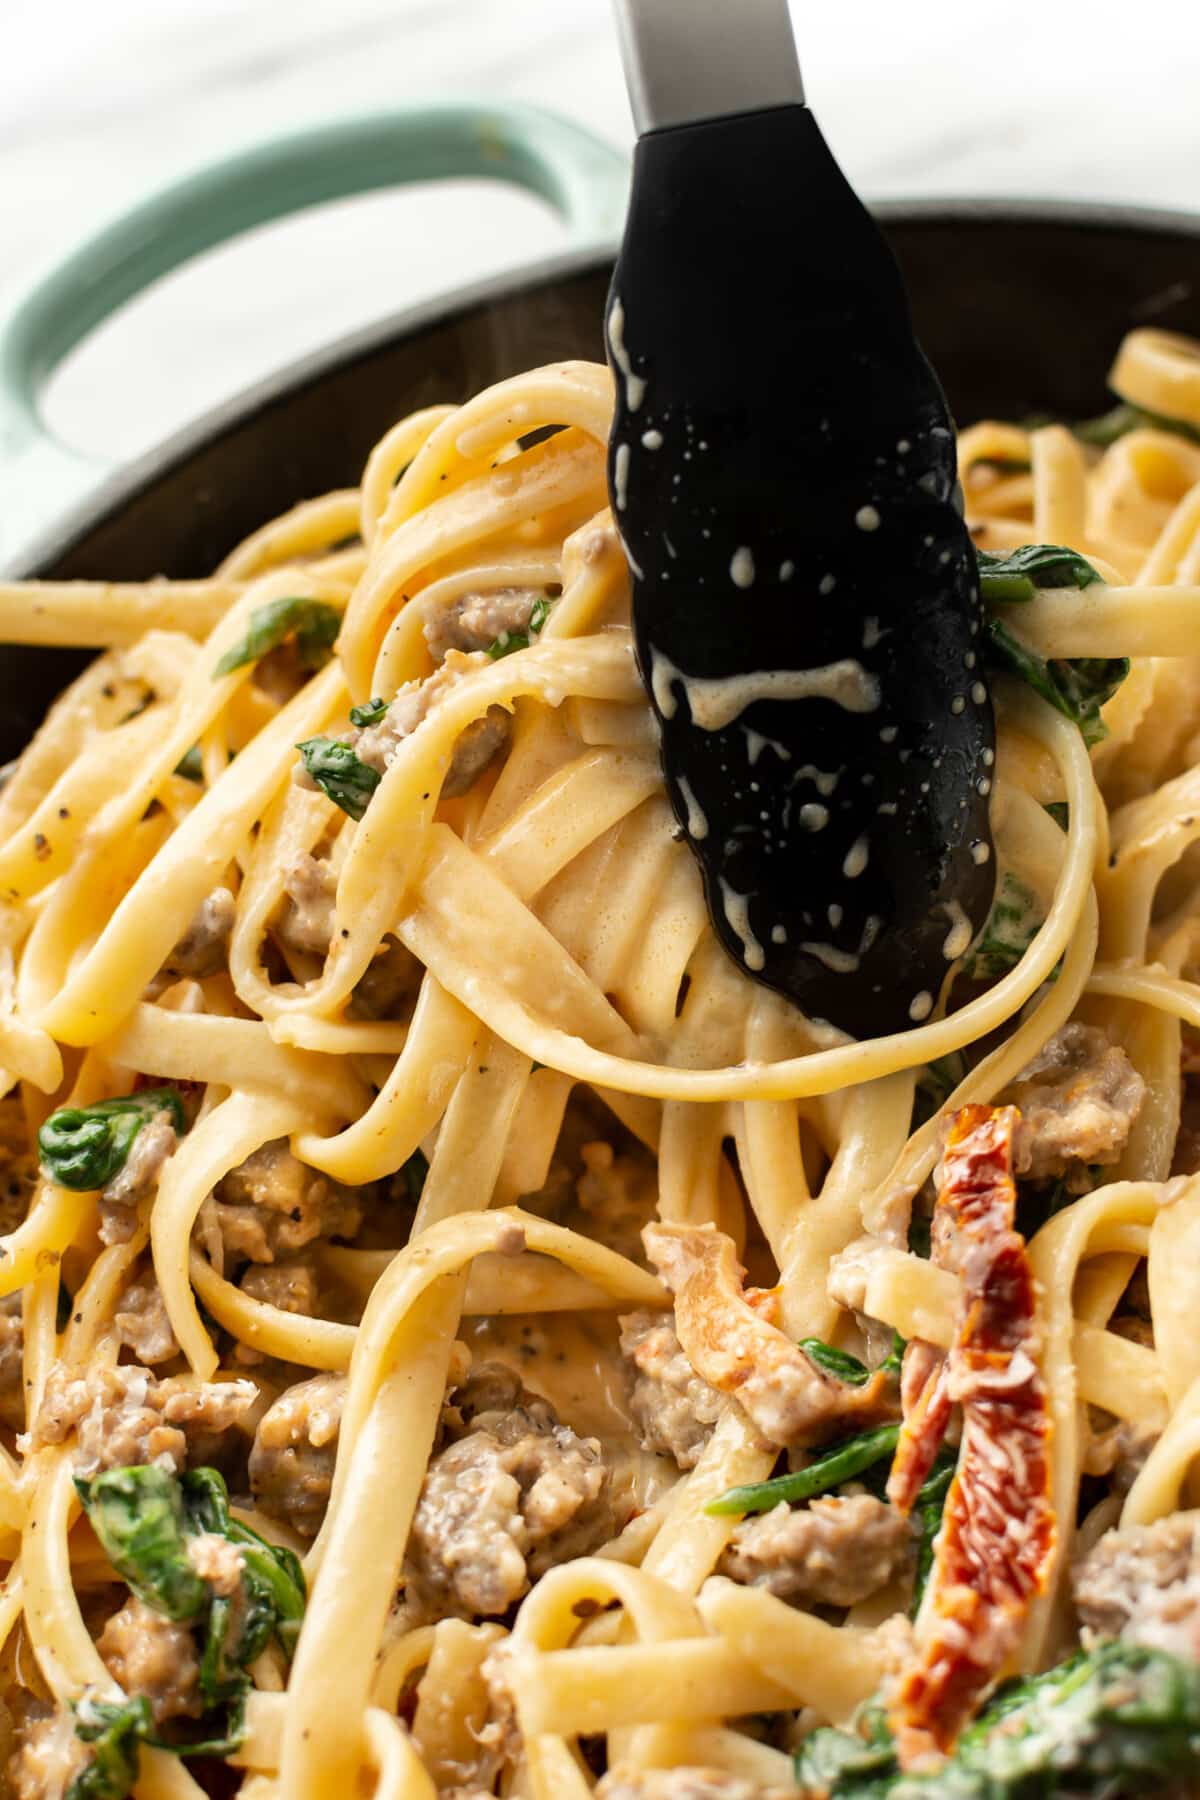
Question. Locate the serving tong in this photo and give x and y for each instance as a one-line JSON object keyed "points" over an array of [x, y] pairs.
{"points": [[782, 471]]}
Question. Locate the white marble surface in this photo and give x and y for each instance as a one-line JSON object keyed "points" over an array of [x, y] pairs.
{"points": [[101, 102]]}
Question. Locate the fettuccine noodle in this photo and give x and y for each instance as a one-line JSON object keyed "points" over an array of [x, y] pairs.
{"points": [[439, 1064]]}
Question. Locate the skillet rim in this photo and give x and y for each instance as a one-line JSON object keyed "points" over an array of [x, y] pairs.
{"points": [[123, 486]]}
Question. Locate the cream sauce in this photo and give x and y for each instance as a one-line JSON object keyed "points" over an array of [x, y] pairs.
{"points": [[824, 780], [856, 858], [756, 743], [737, 911], [635, 385], [697, 824], [842, 962], [741, 568], [573, 1360], [717, 700], [621, 476], [958, 938]]}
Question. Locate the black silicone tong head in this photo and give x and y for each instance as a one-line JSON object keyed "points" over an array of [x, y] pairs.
{"points": [[806, 599]]}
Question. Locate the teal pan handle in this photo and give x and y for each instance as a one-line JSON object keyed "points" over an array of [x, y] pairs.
{"points": [[584, 179]]}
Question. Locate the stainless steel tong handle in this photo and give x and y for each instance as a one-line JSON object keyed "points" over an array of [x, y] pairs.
{"points": [[687, 60]]}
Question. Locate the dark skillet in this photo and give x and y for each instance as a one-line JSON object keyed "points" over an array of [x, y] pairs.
{"points": [[1020, 309]]}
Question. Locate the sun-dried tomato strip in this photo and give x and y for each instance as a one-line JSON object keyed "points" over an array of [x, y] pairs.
{"points": [[729, 1337], [998, 1535], [925, 1397]]}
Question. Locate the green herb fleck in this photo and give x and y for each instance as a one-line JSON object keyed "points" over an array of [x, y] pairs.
{"points": [[1003, 465], [838, 1363], [1011, 925], [508, 641], [191, 765], [83, 1147], [114, 1730], [1122, 419], [927, 1513], [273, 1597], [836, 1464], [1016, 575], [145, 1518], [137, 1514], [339, 774], [1076, 687], [844, 1367], [370, 713], [413, 1174], [1114, 1723], [312, 623], [936, 1081], [1037, 1205]]}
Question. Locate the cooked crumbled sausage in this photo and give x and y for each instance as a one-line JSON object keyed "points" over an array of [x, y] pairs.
{"points": [[216, 1561], [1078, 1100], [1142, 1582], [152, 1655], [48, 1758], [119, 1200], [729, 1335], [834, 1553], [617, 1195], [273, 1204], [291, 1464], [123, 1415], [477, 746], [501, 1505], [490, 1387], [306, 922], [674, 1409], [201, 949], [18, 1181], [290, 1284], [477, 620], [142, 1323], [453, 1710], [391, 978], [1120, 1454], [676, 1784], [12, 1353], [376, 745]]}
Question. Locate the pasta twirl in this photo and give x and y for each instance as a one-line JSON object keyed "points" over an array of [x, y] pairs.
{"points": [[359, 1008]]}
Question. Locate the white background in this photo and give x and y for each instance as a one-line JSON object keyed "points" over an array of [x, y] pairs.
{"points": [[103, 100]]}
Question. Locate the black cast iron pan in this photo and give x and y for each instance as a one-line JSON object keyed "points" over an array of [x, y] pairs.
{"points": [[1020, 308]]}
